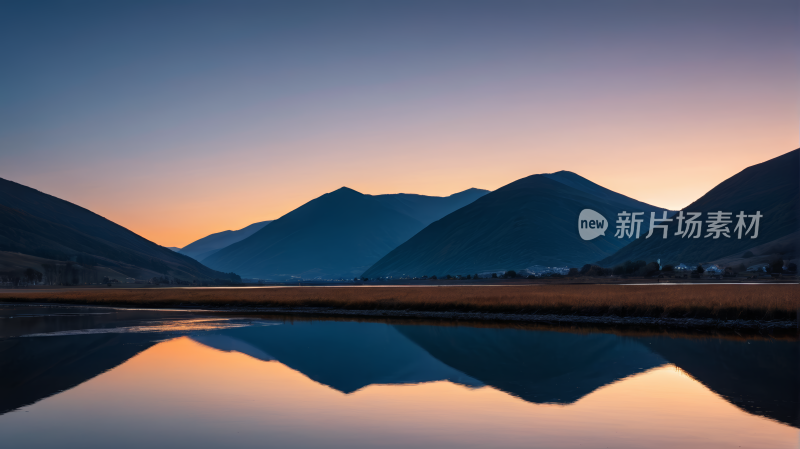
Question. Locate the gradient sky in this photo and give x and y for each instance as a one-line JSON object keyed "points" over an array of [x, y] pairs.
{"points": [[179, 119]]}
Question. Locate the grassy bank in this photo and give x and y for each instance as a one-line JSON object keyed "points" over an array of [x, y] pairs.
{"points": [[728, 302]]}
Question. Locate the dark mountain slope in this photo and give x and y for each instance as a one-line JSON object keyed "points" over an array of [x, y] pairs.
{"points": [[574, 180], [208, 245], [427, 209], [339, 234], [771, 187], [32, 222], [532, 221]]}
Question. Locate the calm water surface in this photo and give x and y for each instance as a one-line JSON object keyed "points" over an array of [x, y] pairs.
{"points": [[101, 377]]}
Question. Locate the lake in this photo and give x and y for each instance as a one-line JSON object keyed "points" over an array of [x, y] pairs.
{"points": [[88, 377]]}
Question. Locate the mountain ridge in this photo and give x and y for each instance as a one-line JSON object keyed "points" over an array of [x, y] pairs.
{"points": [[336, 235], [531, 221], [39, 224], [210, 244], [771, 187]]}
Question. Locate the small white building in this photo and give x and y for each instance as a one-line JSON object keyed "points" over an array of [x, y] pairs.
{"points": [[683, 267], [540, 270], [762, 267], [712, 268]]}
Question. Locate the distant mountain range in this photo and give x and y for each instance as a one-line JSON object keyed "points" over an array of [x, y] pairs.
{"points": [[347, 234], [38, 224], [771, 187], [338, 235], [206, 246], [532, 221]]}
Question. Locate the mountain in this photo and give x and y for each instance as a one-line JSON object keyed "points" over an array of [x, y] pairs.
{"points": [[427, 209], [174, 248], [208, 245], [532, 221], [338, 235], [771, 187], [584, 185], [14, 264], [38, 224]]}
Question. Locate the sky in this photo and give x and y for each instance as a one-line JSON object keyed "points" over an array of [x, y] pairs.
{"points": [[177, 119]]}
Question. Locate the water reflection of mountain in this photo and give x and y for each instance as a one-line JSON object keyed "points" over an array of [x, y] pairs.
{"points": [[35, 368], [536, 366], [346, 356], [230, 344], [554, 367], [760, 377]]}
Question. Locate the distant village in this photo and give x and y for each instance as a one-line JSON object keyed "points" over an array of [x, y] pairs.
{"points": [[777, 269]]}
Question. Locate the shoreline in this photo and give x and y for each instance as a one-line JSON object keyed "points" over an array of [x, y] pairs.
{"points": [[457, 316], [724, 307], [700, 324], [683, 323]]}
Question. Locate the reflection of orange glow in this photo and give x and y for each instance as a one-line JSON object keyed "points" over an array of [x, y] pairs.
{"points": [[205, 395], [200, 324]]}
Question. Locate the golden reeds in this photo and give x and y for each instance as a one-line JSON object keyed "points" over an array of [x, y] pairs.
{"points": [[765, 302]]}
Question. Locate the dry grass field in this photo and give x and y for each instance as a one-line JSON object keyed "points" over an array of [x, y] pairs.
{"points": [[760, 302]]}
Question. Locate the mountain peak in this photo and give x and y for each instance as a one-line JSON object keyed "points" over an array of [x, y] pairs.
{"points": [[39, 224], [521, 224], [565, 173], [345, 191], [471, 190], [339, 234]]}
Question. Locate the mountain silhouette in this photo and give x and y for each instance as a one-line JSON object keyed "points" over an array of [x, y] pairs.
{"points": [[210, 244], [338, 235], [427, 209], [38, 224], [771, 187], [532, 221]]}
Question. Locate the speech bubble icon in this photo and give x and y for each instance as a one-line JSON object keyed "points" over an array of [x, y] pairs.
{"points": [[591, 224]]}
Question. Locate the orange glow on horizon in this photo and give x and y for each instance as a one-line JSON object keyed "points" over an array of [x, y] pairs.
{"points": [[240, 196], [227, 116]]}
